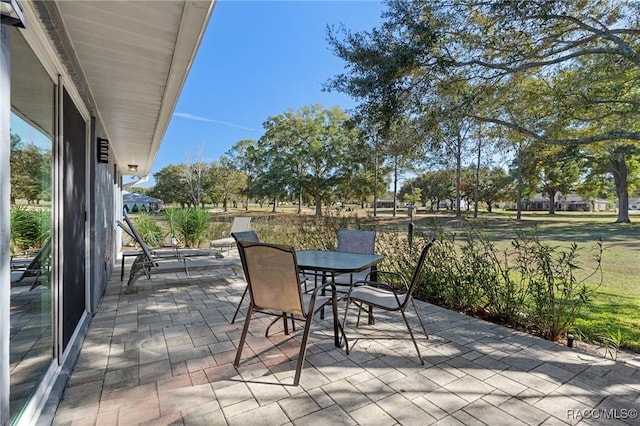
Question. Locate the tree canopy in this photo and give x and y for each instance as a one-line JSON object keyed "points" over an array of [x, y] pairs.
{"points": [[555, 71]]}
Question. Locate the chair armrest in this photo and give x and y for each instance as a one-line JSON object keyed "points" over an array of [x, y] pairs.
{"points": [[388, 282], [376, 284], [314, 293]]}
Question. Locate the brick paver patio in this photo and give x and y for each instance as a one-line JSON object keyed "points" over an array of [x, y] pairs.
{"points": [[163, 354]]}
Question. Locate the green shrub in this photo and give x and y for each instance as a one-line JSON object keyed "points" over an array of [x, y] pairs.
{"points": [[29, 228], [527, 284], [532, 286], [190, 225], [307, 232], [148, 229], [135, 209], [170, 214], [494, 293], [556, 295]]}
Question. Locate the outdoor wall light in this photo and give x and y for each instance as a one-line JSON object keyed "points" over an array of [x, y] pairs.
{"points": [[103, 150], [11, 13], [133, 167]]}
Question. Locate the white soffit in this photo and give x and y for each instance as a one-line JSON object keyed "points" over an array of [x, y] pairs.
{"points": [[135, 56]]}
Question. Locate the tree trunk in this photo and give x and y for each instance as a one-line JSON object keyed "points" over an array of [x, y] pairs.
{"points": [[318, 202], [395, 185], [520, 183], [375, 181], [275, 203], [620, 175], [476, 191], [552, 200], [458, 176], [489, 206], [300, 201]]}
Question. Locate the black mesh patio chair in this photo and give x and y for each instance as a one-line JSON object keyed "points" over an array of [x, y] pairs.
{"points": [[354, 241], [393, 294]]}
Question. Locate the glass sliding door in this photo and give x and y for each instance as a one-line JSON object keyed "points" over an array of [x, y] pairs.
{"points": [[31, 159]]}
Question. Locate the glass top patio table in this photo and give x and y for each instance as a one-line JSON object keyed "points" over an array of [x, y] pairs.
{"points": [[336, 261]]}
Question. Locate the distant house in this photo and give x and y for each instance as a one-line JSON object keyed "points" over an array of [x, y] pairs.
{"points": [[141, 202], [634, 203], [565, 203], [384, 204]]}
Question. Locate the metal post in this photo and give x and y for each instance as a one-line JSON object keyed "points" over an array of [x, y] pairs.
{"points": [[410, 236]]}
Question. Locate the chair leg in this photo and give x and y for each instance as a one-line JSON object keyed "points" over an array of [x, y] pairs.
{"points": [[419, 318], [334, 306], [337, 327], [303, 348], [360, 309], [239, 303], [346, 311], [412, 336], [243, 336]]}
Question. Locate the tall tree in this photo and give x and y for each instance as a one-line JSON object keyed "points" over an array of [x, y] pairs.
{"points": [[231, 182], [243, 155], [552, 169], [30, 171], [614, 165], [170, 186], [194, 179], [494, 185], [310, 148]]}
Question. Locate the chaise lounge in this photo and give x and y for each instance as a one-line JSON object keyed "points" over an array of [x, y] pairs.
{"points": [[149, 264]]}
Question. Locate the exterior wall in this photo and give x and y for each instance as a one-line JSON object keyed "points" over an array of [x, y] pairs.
{"points": [[101, 224]]}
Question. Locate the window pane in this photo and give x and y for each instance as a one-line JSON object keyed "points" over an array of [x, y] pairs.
{"points": [[32, 118]]}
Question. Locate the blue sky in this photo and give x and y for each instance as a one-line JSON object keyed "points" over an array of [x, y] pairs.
{"points": [[258, 59]]}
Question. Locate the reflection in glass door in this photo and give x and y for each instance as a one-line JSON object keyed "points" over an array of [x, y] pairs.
{"points": [[31, 159]]}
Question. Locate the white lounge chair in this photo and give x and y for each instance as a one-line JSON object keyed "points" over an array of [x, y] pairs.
{"points": [[239, 224]]}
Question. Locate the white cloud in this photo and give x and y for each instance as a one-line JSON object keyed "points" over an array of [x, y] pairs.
{"points": [[198, 118]]}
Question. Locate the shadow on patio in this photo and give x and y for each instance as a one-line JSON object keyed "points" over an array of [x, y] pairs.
{"points": [[163, 354]]}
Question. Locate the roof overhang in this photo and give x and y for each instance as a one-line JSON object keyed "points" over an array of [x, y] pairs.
{"points": [[133, 57]]}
